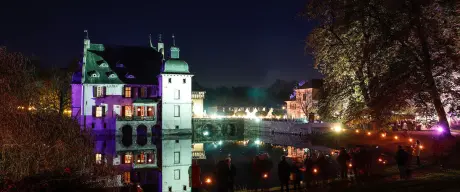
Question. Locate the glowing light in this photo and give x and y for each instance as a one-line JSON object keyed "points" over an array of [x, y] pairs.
{"points": [[220, 143], [265, 175], [257, 119], [257, 142], [357, 131], [421, 147], [384, 135], [369, 133], [380, 159], [208, 180], [150, 160], [396, 137], [206, 133], [410, 140], [440, 129], [385, 162], [315, 170], [337, 129], [138, 160], [350, 165]]}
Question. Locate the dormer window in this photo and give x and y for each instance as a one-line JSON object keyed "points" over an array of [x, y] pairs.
{"points": [[111, 75], [129, 76], [93, 74], [102, 63]]}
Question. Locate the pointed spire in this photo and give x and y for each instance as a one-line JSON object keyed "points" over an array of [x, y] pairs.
{"points": [[86, 34], [150, 40], [159, 39], [174, 40]]}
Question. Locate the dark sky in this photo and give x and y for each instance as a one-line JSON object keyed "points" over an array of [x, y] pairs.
{"points": [[237, 42]]}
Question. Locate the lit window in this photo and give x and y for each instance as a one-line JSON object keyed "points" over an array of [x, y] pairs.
{"points": [[176, 174], [149, 111], [98, 158], [141, 158], [128, 110], [99, 111], [128, 158], [176, 157], [127, 91], [176, 111], [127, 177], [177, 94], [98, 91]]}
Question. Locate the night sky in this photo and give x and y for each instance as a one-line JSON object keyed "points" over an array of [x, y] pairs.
{"points": [[238, 42]]}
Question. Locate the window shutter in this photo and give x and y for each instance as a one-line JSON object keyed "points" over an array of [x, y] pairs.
{"points": [[122, 158], [104, 91], [123, 111], [94, 111], [103, 110], [94, 91], [139, 92], [123, 91], [149, 91], [134, 92]]}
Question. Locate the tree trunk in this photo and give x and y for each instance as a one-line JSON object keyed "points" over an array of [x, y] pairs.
{"points": [[427, 67]]}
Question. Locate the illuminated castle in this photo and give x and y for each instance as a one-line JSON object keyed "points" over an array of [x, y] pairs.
{"points": [[144, 101]]}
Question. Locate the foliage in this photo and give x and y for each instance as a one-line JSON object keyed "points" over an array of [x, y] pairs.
{"points": [[240, 113], [377, 55], [278, 112], [261, 113], [36, 142], [229, 113]]}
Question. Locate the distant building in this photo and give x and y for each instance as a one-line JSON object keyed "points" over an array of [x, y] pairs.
{"points": [[304, 100], [233, 110], [197, 104]]}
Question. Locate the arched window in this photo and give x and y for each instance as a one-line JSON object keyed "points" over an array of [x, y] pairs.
{"points": [[141, 135], [127, 132]]}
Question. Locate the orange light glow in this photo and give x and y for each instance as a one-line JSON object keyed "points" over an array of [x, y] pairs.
{"points": [[265, 175], [421, 147], [410, 140], [350, 165], [396, 137], [369, 133], [315, 170], [357, 131], [384, 135], [380, 160], [208, 180]]}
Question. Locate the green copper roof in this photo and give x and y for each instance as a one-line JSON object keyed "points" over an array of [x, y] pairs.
{"points": [[144, 101], [175, 66], [109, 64]]}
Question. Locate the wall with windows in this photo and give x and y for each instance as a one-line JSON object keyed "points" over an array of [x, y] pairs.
{"points": [[176, 162], [104, 102], [176, 94]]}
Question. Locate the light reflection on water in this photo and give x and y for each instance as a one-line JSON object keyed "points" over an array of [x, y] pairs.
{"points": [[244, 151]]}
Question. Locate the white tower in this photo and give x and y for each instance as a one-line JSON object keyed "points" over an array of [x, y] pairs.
{"points": [[175, 84]]}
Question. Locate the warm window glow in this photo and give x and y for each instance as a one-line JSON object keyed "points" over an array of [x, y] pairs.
{"points": [[127, 91], [99, 91], [140, 111], [128, 158], [128, 111], [127, 177], [99, 111], [141, 158], [98, 158], [150, 111]]}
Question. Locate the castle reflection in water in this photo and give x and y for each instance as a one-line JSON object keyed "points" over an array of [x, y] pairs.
{"points": [[211, 141]]}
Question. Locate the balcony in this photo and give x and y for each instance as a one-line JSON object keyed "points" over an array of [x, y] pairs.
{"points": [[135, 118]]}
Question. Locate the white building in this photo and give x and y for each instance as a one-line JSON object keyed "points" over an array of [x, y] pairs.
{"points": [[133, 94]]}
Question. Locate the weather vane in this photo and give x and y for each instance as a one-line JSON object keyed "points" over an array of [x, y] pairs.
{"points": [[174, 40], [87, 35]]}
